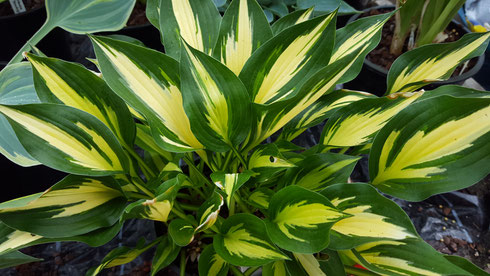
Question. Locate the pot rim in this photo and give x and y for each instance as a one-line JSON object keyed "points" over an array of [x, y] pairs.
{"points": [[384, 72]]}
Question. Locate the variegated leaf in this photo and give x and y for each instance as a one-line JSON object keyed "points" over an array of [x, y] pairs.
{"points": [[181, 232], [431, 63], [277, 70], [121, 255], [322, 109], [374, 217], [466, 265], [455, 91], [11, 239], [230, 182], [309, 264], [16, 258], [243, 241], [318, 171], [149, 81], [16, 87], [167, 251], [299, 220], [215, 100], [159, 207], [277, 268], [434, 146], [405, 257], [350, 56], [357, 123], [362, 35], [58, 81], [211, 264], [243, 29], [195, 21], [260, 198], [208, 212], [67, 139], [76, 205], [145, 141], [292, 19], [267, 161]]}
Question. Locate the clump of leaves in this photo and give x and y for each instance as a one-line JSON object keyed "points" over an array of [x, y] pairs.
{"points": [[201, 116]]}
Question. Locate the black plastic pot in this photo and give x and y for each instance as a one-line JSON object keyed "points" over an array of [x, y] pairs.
{"points": [[17, 29], [372, 77]]}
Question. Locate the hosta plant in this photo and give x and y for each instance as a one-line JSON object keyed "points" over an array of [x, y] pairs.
{"points": [[183, 138]]}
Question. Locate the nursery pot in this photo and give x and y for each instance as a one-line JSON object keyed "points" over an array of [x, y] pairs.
{"points": [[17, 29], [373, 77]]}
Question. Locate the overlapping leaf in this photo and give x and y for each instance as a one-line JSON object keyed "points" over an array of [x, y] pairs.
{"points": [[208, 211], [230, 182], [405, 257], [159, 207], [76, 205], [58, 81], [300, 220], [215, 100], [374, 217], [277, 70], [211, 264], [149, 81], [244, 241], [291, 19], [243, 29], [67, 139], [318, 171], [348, 56], [121, 255], [16, 258], [436, 62], [181, 232], [357, 123], [16, 87], [195, 21], [434, 146], [322, 109], [165, 254]]}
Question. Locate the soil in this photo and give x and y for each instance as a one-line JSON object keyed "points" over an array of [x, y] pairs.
{"points": [[381, 54], [138, 15], [6, 9]]}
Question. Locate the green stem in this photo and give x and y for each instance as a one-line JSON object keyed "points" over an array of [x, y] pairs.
{"points": [[231, 207], [191, 165], [251, 270], [188, 207], [34, 40], [183, 216], [227, 160], [358, 272], [240, 157], [342, 151], [182, 262], [241, 204], [236, 271], [142, 187], [141, 163]]}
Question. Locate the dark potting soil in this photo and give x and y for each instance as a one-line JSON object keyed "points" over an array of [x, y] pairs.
{"points": [[138, 15], [381, 54], [6, 9]]}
